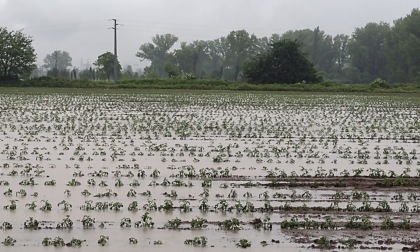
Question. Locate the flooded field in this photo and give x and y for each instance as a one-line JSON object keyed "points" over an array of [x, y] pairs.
{"points": [[187, 171]]}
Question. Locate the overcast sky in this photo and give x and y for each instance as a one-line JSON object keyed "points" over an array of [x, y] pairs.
{"points": [[81, 26]]}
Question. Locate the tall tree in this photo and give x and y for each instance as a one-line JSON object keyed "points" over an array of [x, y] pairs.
{"points": [[367, 50], [217, 52], [60, 60], [318, 46], [241, 46], [304, 37], [340, 46], [17, 56], [105, 64], [158, 53], [190, 57], [264, 43], [404, 48], [184, 57]]}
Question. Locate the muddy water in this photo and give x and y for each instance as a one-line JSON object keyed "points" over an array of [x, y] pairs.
{"points": [[64, 134]]}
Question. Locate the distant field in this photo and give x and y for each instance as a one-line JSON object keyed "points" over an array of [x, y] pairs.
{"points": [[188, 170]]}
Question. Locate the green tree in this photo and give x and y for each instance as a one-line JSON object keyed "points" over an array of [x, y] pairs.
{"points": [[217, 53], [284, 62], [128, 73], [87, 74], [264, 43], [192, 57], [241, 46], [367, 50], [340, 47], [37, 72], [319, 47], [158, 54], [58, 63], [105, 64], [17, 56], [404, 49]]}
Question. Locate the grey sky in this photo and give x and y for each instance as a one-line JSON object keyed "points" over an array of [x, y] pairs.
{"points": [[81, 26]]}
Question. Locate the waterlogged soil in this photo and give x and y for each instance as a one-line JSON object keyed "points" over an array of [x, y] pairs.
{"points": [[323, 161]]}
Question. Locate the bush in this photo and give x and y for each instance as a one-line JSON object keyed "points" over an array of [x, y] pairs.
{"points": [[380, 83]]}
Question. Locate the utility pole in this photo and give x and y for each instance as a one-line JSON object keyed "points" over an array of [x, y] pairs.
{"points": [[57, 73], [115, 51]]}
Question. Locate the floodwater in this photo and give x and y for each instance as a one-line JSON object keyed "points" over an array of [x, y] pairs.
{"points": [[238, 136]]}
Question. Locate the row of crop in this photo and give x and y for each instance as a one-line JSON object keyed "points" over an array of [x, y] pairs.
{"points": [[232, 224], [221, 206]]}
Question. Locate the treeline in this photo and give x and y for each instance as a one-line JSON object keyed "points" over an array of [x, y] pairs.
{"points": [[376, 53], [377, 50]]}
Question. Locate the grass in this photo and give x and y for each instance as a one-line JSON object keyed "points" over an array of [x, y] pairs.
{"points": [[210, 84]]}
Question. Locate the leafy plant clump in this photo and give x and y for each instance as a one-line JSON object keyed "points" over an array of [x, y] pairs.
{"points": [[243, 243], [197, 241], [9, 241]]}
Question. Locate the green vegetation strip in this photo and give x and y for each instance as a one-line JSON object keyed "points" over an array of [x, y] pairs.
{"points": [[209, 84]]}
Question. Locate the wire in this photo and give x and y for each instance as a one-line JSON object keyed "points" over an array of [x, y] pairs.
{"points": [[191, 31], [67, 25]]}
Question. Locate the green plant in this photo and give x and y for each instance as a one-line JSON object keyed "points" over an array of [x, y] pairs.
{"points": [[366, 207], [65, 223], [155, 173], [198, 223], [380, 83], [73, 182], [46, 207], [243, 243], [173, 224], [350, 243], [150, 206], [387, 224], [357, 222], [103, 240], [357, 172], [323, 242], [133, 206], [31, 223], [8, 241], [75, 242], [405, 224], [328, 224], [230, 224], [125, 222], [87, 221], [12, 205], [66, 206], [206, 183], [145, 221], [167, 205], [265, 223], [404, 207], [56, 242], [290, 224], [383, 206], [6, 226], [132, 240], [197, 241], [222, 205], [116, 206], [204, 206], [267, 206]]}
